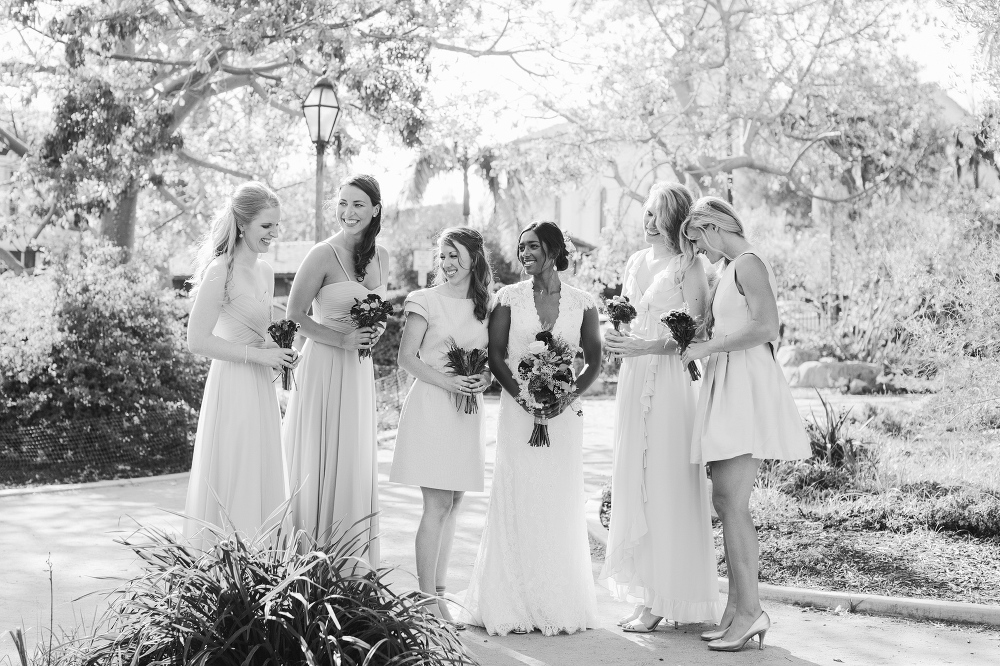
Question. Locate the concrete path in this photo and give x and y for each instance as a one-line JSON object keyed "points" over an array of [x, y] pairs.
{"points": [[75, 531]]}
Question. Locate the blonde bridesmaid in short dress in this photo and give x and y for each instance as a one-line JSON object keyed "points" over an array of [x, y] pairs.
{"points": [[745, 410], [236, 481], [329, 431], [439, 446]]}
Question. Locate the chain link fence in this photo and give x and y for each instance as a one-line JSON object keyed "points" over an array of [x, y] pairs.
{"points": [[390, 392], [92, 449]]}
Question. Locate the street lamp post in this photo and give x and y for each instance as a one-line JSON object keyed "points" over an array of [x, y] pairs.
{"points": [[321, 109]]}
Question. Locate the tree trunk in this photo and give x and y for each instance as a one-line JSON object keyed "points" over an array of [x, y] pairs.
{"points": [[118, 224]]}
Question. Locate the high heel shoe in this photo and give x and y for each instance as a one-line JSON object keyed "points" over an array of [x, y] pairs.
{"points": [[637, 626], [635, 613], [758, 628], [716, 634]]}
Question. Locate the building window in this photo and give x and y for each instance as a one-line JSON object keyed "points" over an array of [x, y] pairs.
{"points": [[558, 211], [603, 218]]}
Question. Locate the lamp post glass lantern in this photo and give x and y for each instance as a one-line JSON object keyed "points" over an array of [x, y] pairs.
{"points": [[321, 109]]}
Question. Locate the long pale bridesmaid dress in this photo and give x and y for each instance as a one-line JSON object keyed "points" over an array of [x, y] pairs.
{"points": [[329, 434], [660, 546], [236, 481]]}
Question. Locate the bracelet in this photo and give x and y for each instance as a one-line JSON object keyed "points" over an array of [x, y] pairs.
{"points": [[246, 351]]}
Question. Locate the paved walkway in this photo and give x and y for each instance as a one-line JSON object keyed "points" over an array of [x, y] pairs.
{"points": [[75, 531]]}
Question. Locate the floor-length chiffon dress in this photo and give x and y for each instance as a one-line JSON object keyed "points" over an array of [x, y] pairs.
{"points": [[660, 550], [236, 481], [329, 433]]}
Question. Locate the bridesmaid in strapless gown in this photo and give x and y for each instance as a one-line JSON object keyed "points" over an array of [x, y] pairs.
{"points": [[236, 481], [329, 433]]}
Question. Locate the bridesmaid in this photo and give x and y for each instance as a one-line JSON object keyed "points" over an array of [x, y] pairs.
{"points": [[445, 467], [661, 553], [236, 479], [745, 411], [329, 430]]}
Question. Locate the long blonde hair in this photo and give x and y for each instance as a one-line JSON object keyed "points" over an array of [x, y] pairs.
{"points": [[671, 205], [719, 213], [247, 202]]}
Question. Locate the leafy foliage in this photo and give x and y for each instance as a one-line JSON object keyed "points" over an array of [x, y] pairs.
{"points": [[251, 602], [93, 336]]}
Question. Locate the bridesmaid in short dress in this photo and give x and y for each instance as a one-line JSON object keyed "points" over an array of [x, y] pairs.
{"points": [[439, 447], [330, 429], [745, 411], [236, 481]]}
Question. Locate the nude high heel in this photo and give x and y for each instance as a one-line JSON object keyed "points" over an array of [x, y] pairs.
{"points": [[758, 628]]}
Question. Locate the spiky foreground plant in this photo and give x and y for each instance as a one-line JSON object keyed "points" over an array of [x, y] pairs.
{"points": [[253, 603]]}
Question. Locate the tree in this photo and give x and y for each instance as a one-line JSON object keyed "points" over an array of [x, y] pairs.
{"points": [[144, 77], [795, 89]]}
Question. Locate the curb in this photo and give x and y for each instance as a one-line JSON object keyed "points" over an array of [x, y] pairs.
{"points": [[915, 609], [108, 483], [92, 485]]}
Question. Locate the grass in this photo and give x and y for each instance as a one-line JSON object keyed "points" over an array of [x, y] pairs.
{"points": [[911, 508]]}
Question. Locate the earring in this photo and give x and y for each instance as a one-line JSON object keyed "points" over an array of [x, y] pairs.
{"points": [[239, 233]]}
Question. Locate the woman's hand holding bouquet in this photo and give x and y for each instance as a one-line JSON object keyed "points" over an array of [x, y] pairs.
{"points": [[547, 382]]}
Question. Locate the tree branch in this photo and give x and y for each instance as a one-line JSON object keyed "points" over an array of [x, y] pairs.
{"points": [[617, 175], [197, 161], [259, 89]]}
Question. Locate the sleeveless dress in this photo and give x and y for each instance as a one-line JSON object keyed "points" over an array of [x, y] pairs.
{"points": [[533, 569], [438, 445], [745, 405], [661, 552], [236, 480], [329, 431]]}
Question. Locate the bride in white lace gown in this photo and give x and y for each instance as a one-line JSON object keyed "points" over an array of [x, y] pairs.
{"points": [[533, 570]]}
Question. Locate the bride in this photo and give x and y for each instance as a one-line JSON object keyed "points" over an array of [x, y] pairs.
{"points": [[533, 569]]}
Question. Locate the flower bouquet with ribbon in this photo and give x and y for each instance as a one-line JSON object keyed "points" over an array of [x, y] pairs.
{"points": [[620, 310], [545, 376], [370, 311], [283, 333], [683, 329], [467, 363]]}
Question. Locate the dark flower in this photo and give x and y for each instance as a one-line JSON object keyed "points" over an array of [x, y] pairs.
{"points": [[544, 336]]}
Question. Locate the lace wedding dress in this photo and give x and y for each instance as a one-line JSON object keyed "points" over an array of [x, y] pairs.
{"points": [[533, 569]]}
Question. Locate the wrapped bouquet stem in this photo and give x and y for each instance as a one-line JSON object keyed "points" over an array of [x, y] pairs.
{"points": [[467, 363], [283, 333]]}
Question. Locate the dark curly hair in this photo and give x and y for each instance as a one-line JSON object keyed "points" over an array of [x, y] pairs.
{"points": [[552, 240], [482, 274], [366, 249]]}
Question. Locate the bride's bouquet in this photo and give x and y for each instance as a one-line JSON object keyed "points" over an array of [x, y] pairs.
{"points": [[370, 311], [465, 362], [545, 375]]}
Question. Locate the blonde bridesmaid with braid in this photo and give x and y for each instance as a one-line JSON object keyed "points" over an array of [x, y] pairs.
{"points": [[745, 413], [236, 479]]}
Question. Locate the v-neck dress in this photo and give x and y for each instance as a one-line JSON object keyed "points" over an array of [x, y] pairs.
{"points": [[533, 569], [329, 433], [236, 481], [660, 551]]}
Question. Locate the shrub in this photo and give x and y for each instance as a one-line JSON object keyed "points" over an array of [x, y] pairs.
{"points": [[106, 340], [387, 349], [253, 603]]}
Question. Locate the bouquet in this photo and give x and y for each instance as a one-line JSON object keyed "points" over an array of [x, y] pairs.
{"points": [[283, 332], [369, 311], [683, 329], [545, 375], [465, 362], [620, 310]]}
